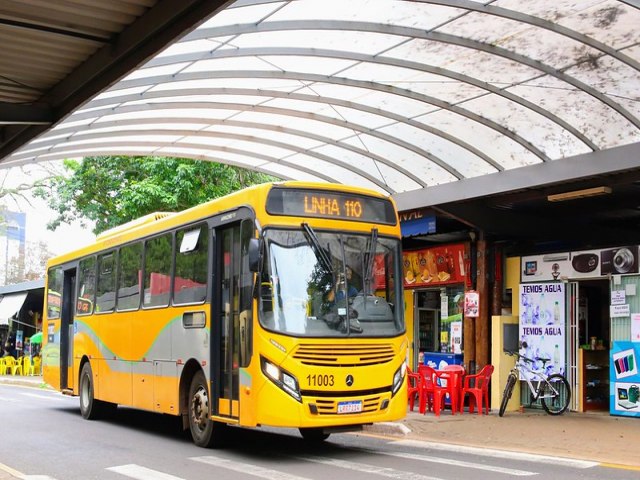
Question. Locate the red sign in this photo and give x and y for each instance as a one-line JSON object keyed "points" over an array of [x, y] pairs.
{"points": [[434, 266]]}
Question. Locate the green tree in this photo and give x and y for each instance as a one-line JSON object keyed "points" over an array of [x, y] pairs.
{"points": [[112, 190]]}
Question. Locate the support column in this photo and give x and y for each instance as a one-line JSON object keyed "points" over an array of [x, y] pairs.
{"points": [[482, 322], [468, 324]]}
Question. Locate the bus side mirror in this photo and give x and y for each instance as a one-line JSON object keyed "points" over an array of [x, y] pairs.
{"points": [[254, 255]]}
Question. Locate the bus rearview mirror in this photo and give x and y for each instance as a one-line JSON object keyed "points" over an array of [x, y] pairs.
{"points": [[254, 254]]}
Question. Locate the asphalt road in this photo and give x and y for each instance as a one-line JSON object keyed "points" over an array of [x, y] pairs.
{"points": [[43, 437]]}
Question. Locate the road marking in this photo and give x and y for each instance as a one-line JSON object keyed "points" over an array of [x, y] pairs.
{"points": [[242, 467], [22, 476], [366, 468], [44, 397], [459, 463], [490, 452], [142, 473]]}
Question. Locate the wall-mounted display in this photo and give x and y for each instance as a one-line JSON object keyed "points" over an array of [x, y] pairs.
{"points": [[625, 380], [581, 264]]}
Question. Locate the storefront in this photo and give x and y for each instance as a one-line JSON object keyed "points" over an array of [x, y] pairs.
{"points": [[581, 310], [21, 314], [434, 281]]}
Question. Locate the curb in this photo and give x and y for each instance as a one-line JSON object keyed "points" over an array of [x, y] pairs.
{"points": [[387, 428]]}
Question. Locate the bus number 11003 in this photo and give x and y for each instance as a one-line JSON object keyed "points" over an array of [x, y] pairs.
{"points": [[320, 380]]}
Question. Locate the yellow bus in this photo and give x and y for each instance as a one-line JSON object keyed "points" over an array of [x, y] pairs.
{"points": [[278, 305]]}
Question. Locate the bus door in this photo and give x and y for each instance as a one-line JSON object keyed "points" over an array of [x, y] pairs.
{"points": [[67, 378], [231, 318]]}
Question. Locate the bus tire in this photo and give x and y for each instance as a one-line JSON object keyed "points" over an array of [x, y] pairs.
{"points": [[90, 408], [204, 431], [313, 434]]}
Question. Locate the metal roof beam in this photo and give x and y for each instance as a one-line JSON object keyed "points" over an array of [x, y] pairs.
{"points": [[241, 107], [74, 131], [185, 76], [379, 60], [409, 32], [18, 114], [231, 136], [586, 165], [537, 22], [151, 32]]}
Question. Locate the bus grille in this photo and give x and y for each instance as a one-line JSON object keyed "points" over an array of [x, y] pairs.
{"points": [[343, 355]]}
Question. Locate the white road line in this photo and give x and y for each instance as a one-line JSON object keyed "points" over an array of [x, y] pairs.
{"points": [[22, 476], [371, 469], [489, 452], [44, 396], [142, 473], [459, 463], [255, 470]]}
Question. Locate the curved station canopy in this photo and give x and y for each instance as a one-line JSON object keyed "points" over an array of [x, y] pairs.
{"points": [[392, 95]]}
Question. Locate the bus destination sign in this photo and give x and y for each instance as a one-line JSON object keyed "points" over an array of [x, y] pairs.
{"points": [[326, 204]]}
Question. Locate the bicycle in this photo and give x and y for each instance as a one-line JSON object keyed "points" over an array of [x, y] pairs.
{"points": [[553, 391]]}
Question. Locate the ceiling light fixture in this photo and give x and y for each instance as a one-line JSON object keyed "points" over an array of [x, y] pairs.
{"points": [[587, 192]]}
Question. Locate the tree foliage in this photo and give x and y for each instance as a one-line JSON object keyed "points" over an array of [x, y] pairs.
{"points": [[112, 190]]}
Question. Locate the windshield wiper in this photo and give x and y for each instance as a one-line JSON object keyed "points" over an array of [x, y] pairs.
{"points": [[320, 252], [368, 277]]}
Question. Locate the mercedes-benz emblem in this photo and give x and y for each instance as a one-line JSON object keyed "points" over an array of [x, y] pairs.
{"points": [[349, 380]]}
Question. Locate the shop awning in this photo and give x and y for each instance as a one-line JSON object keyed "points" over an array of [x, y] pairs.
{"points": [[9, 305]]}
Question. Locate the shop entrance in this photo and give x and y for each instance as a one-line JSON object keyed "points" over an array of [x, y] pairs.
{"points": [[438, 323], [593, 334]]}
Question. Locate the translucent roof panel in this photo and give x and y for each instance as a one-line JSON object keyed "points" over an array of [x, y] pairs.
{"points": [[395, 95]]}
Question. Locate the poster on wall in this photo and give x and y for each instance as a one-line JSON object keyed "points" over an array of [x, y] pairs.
{"points": [[542, 324], [624, 399], [471, 303], [635, 327], [456, 336], [434, 266]]}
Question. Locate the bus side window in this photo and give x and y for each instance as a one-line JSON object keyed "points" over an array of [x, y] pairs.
{"points": [[106, 290], [86, 286], [190, 279], [157, 271], [130, 259], [54, 290]]}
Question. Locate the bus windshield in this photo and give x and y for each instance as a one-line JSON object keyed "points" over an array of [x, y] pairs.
{"points": [[330, 284]]}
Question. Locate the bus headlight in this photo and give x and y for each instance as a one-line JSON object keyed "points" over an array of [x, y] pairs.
{"points": [[281, 378], [398, 378]]}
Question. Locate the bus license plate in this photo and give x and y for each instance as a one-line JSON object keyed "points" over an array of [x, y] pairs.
{"points": [[350, 407]]}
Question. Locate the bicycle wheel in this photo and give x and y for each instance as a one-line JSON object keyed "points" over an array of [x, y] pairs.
{"points": [[506, 395], [558, 402]]}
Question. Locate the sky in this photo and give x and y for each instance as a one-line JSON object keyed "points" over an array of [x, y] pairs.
{"points": [[65, 238]]}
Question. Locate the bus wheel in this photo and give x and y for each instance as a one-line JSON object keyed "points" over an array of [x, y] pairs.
{"points": [[90, 408], [204, 431], [313, 434]]}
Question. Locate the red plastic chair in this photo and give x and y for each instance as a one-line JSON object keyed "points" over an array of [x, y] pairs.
{"points": [[455, 390], [477, 386], [413, 387], [426, 384]]}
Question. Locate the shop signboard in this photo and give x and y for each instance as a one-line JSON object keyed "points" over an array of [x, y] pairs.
{"points": [[580, 264], [624, 399], [542, 324], [434, 266]]}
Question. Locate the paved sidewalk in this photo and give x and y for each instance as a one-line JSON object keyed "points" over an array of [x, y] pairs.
{"points": [[597, 436], [594, 436]]}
